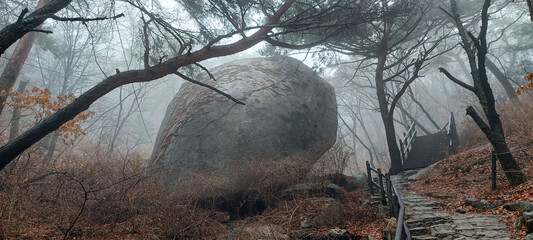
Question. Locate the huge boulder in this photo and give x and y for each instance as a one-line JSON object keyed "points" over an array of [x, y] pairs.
{"points": [[289, 111]]}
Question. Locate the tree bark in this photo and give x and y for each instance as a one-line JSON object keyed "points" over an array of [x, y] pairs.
{"points": [[15, 119], [17, 60]]}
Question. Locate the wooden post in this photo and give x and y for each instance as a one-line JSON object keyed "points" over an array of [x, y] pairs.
{"points": [[382, 190], [493, 170], [369, 175], [389, 194], [396, 206]]}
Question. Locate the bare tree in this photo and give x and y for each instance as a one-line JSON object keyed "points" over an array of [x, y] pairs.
{"points": [[476, 48], [398, 44]]}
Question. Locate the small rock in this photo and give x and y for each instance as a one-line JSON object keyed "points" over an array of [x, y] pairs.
{"points": [[529, 237], [335, 191], [512, 206], [481, 205], [461, 210], [337, 231], [341, 234], [300, 190], [496, 203], [470, 201], [527, 220], [306, 223], [262, 232], [391, 224], [525, 207]]}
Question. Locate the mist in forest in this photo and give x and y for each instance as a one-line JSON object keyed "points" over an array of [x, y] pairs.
{"points": [[79, 54]]}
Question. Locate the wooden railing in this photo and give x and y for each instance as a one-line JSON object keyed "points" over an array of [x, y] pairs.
{"points": [[389, 196], [406, 142]]}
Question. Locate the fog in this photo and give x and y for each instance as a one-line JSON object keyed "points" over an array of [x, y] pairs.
{"points": [[78, 55]]}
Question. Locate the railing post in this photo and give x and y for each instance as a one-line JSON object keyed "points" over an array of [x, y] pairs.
{"points": [[389, 194], [369, 174], [383, 200], [396, 206], [493, 170]]}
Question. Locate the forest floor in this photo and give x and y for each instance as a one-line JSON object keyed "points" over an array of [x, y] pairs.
{"points": [[468, 175], [47, 209]]}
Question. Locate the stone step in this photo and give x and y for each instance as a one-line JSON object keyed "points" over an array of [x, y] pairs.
{"points": [[443, 230], [419, 231], [423, 238]]}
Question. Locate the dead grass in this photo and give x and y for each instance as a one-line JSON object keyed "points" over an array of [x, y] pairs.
{"points": [[93, 195]]}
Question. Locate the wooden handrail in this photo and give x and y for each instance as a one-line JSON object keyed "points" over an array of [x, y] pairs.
{"points": [[390, 196], [401, 225], [407, 141]]}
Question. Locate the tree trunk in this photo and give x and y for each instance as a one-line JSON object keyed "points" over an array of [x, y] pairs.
{"points": [[394, 150], [51, 148], [15, 119], [386, 116], [16, 61], [509, 90], [496, 137]]}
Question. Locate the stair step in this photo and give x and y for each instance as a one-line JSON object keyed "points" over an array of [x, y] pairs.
{"points": [[423, 238], [419, 231]]}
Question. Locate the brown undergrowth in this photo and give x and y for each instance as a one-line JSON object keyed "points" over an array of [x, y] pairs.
{"points": [[468, 173], [91, 194]]}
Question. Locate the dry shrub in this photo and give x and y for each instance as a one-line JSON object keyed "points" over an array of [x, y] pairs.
{"points": [[334, 161], [516, 118], [93, 194], [248, 190], [96, 197]]}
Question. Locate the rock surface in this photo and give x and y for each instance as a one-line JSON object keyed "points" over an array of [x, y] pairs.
{"points": [[470, 201], [289, 111]]}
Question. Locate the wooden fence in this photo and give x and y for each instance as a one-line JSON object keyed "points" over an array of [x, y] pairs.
{"points": [[389, 196], [406, 142]]}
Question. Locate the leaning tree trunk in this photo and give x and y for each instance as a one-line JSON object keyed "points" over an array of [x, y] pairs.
{"points": [[17, 60], [509, 90]]}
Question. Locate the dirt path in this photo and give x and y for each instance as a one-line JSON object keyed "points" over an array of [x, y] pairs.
{"points": [[427, 222]]}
